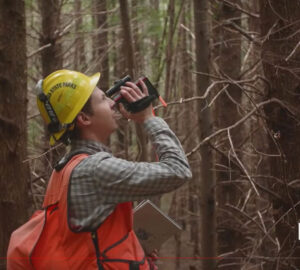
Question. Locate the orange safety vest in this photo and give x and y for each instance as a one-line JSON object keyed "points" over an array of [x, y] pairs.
{"points": [[113, 245]]}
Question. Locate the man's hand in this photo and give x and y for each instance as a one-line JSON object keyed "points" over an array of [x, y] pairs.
{"points": [[132, 93], [152, 259]]}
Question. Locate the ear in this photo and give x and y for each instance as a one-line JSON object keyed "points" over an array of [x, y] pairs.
{"points": [[83, 120]]}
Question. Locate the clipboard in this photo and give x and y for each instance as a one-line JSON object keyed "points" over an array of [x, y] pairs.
{"points": [[152, 226]]}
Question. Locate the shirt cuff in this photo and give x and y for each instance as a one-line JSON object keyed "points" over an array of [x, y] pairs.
{"points": [[155, 124]]}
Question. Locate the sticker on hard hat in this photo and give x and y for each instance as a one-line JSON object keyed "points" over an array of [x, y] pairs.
{"points": [[60, 85]]}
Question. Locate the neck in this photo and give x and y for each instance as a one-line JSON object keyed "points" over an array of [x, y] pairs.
{"points": [[86, 135]]}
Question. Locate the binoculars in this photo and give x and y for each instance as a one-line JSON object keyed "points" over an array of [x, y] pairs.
{"points": [[137, 106]]}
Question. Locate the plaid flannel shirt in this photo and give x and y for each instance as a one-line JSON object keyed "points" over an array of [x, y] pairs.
{"points": [[101, 181]]}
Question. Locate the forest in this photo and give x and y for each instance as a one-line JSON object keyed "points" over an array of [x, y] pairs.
{"points": [[229, 71]]}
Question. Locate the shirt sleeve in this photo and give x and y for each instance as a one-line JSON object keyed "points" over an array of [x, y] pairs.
{"points": [[117, 180]]}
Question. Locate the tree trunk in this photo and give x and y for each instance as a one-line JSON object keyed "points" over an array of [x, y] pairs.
{"points": [[280, 23], [14, 173], [189, 196], [102, 43], [79, 54], [169, 48], [131, 68], [52, 60], [227, 50], [52, 56], [137, 29], [127, 35], [206, 183]]}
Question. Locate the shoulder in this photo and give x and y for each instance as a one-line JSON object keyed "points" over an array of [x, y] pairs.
{"points": [[90, 163]]}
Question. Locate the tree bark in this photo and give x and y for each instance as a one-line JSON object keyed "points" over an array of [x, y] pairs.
{"points": [[280, 23], [131, 68], [127, 35], [137, 29], [169, 48], [206, 183], [14, 173], [102, 43], [79, 54], [228, 64], [52, 56], [52, 60]]}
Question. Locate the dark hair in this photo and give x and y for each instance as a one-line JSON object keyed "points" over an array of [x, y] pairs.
{"points": [[87, 109]]}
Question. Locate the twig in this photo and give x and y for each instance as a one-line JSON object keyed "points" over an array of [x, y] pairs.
{"points": [[238, 7], [43, 154], [188, 30], [253, 220], [39, 50], [282, 217], [241, 163], [243, 32], [246, 199], [33, 116], [242, 120], [204, 96], [218, 94], [293, 52], [276, 13]]}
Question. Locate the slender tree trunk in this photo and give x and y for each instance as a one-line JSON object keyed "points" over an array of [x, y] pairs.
{"points": [[131, 67], [79, 55], [280, 23], [227, 113], [155, 46], [52, 56], [102, 43], [206, 183], [169, 48], [14, 173], [118, 62], [188, 197], [51, 59], [127, 35], [257, 165], [137, 29]]}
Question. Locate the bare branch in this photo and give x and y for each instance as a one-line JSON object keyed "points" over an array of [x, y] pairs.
{"points": [[186, 100], [39, 50], [43, 154], [293, 52], [238, 7], [240, 162], [242, 120]]}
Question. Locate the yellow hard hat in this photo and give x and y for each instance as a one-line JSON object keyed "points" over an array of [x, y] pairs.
{"points": [[61, 96]]}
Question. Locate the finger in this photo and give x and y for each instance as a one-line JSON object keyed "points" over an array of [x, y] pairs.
{"points": [[132, 92], [144, 87], [128, 95], [136, 89]]}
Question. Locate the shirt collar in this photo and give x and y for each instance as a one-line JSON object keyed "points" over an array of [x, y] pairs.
{"points": [[92, 147]]}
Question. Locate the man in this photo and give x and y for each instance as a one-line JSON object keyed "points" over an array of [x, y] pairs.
{"points": [[101, 187]]}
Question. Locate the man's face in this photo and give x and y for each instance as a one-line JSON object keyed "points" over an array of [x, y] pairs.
{"points": [[103, 119]]}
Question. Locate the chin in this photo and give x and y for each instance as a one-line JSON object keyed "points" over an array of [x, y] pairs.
{"points": [[114, 128]]}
